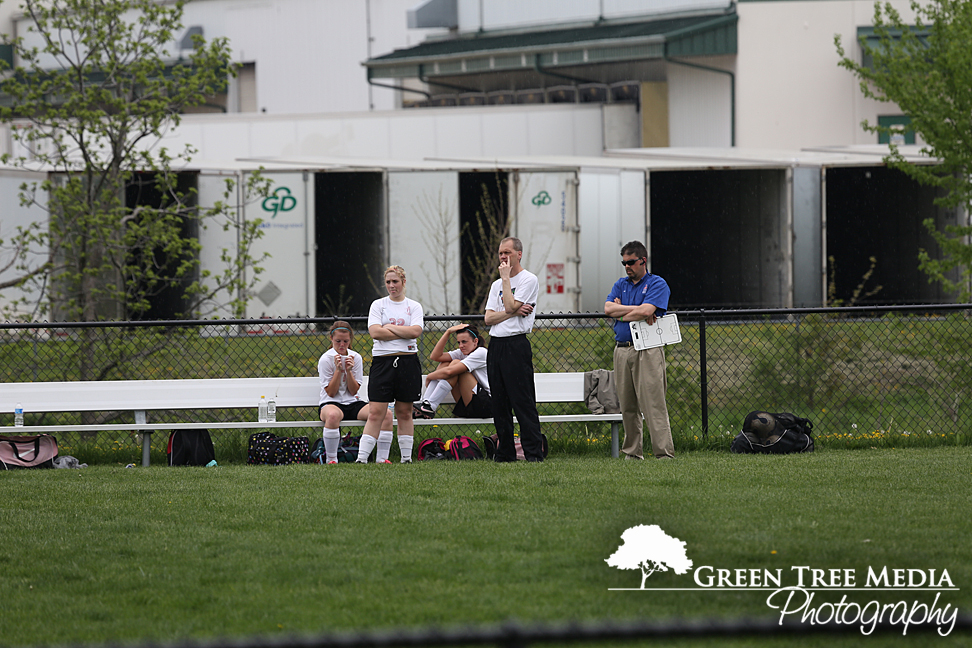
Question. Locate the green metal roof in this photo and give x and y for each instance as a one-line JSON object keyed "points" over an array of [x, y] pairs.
{"points": [[605, 43], [874, 43]]}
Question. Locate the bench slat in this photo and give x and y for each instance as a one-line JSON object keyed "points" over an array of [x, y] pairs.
{"points": [[214, 393]]}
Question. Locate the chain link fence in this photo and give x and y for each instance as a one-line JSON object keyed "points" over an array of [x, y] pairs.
{"points": [[865, 377], [649, 633]]}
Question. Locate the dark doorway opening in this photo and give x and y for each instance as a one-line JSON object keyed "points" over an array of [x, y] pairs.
{"points": [[350, 241], [483, 220], [878, 212], [715, 237], [167, 298]]}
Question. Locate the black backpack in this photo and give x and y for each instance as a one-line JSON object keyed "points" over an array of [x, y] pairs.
{"points": [[347, 450], [780, 433], [267, 448], [432, 449], [463, 447], [190, 448]]}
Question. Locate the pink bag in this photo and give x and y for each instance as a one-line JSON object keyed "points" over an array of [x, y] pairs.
{"points": [[36, 451]]}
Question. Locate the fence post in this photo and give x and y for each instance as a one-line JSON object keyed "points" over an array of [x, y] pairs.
{"points": [[704, 395]]}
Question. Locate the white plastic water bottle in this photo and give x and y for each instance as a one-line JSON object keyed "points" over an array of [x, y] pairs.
{"points": [[262, 410], [19, 415], [271, 410]]}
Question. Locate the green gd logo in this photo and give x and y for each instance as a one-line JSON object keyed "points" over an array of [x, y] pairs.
{"points": [[279, 202], [542, 198]]}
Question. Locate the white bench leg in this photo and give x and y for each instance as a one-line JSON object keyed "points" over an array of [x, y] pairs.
{"points": [[614, 439]]}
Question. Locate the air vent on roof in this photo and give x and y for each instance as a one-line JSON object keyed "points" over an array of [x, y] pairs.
{"points": [[625, 91], [434, 13], [594, 92], [529, 96], [443, 100], [562, 94], [186, 43], [472, 99], [501, 98]]}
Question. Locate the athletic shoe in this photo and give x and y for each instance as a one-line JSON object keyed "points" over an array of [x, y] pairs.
{"points": [[423, 410], [331, 462], [386, 462], [406, 461]]}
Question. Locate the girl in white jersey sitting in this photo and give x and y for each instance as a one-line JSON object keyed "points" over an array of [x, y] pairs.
{"points": [[342, 371], [395, 322], [461, 372]]}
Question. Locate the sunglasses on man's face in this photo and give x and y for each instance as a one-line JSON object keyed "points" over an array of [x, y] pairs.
{"points": [[630, 262]]}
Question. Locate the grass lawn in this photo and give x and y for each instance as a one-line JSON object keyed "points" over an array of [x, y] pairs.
{"points": [[108, 554]]}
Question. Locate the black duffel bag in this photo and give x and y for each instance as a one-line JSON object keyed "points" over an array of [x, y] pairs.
{"points": [[780, 433]]}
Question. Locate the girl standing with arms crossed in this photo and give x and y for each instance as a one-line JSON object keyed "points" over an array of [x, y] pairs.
{"points": [[395, 322], [341, 371]]}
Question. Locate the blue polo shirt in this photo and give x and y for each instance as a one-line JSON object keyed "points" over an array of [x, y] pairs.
{"points": [[651, 289]]}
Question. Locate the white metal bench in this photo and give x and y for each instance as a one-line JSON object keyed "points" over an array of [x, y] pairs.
{"points": [[141, 397]]}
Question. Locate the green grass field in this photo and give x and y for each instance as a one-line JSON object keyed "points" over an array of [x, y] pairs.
{"points": [[108, 554]]}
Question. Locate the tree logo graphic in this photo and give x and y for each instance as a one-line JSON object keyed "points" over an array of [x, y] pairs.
{"points": [[648, 548]]}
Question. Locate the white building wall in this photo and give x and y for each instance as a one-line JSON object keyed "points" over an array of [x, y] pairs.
{"points": [[423, 236], [612, 212], [14, 216], [700, 104], [790, 91], [549, 129], [308, 53], [544, 218], [509, 14]]}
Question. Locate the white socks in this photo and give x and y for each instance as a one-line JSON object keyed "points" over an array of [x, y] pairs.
{"points": [[367, 444], [332, 440], [384, 445], [438, 391], [405, 445]]}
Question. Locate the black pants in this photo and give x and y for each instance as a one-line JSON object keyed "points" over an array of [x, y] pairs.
{"points": [[509, 365]]}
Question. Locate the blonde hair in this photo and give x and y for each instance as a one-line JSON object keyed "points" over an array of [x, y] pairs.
{"points": [[397, 269]]}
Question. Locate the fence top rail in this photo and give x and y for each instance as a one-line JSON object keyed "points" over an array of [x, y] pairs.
{"points": [[511, 633], [696, 313]]}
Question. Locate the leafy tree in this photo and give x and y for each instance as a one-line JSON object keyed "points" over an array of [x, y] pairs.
{"points": [[926, 69], [96, 88], [649, 549]]}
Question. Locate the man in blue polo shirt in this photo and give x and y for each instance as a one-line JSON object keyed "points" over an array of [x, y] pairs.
{"points": [[640, 375]]}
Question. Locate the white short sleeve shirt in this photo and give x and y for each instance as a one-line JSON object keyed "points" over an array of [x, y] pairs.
{"points": [[407, 312], [526, 289], [325, 368], [476, 364]]}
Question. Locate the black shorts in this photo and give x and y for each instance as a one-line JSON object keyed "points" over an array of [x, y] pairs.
{"points": [[479, 407], [351, 410], [395, 378]]}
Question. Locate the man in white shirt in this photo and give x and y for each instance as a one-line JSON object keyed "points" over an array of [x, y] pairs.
{"points": [[509, 363]]}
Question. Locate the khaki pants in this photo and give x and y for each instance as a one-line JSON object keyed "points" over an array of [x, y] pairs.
{"points": [[642, 384]]}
